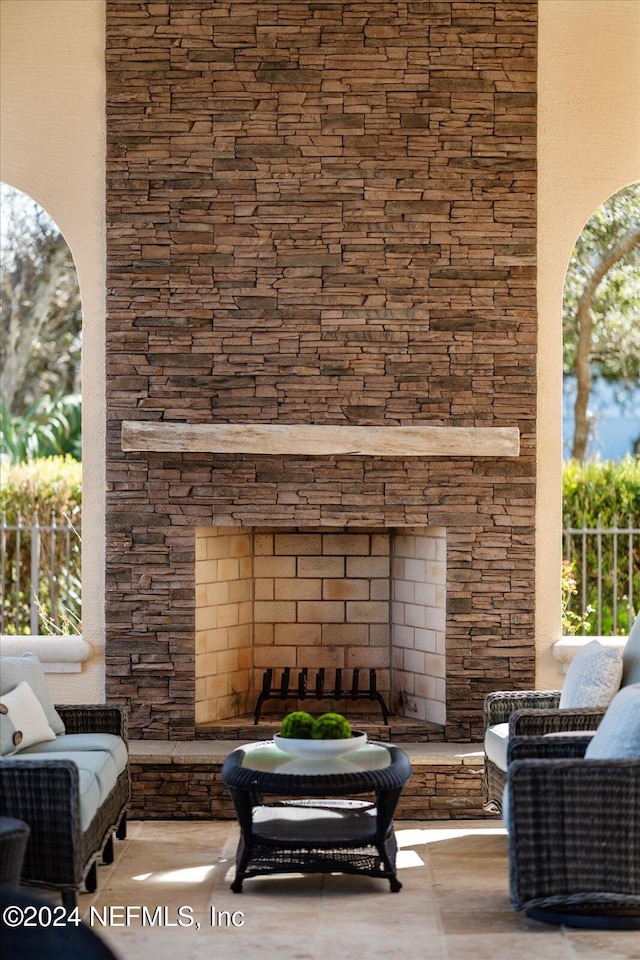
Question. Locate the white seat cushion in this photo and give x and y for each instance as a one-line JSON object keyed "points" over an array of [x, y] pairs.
{"points": [[89, 797], [80, 742], [496, 741], [96, 762]]}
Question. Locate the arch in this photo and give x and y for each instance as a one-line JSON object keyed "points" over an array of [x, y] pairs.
{"points": [[61, 252], [618, 437], [52, 147], [588, 148]]}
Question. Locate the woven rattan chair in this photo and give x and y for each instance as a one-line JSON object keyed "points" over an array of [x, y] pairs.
{"points": [[60, 854], [574, 833], [14, 835], [529, 713], [536, 713]]}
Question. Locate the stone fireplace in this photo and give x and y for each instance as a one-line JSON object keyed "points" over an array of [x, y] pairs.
{"points": [[319, 215]]}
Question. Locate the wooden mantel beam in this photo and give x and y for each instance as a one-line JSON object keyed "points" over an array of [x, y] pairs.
{"points": [[312, 440]]}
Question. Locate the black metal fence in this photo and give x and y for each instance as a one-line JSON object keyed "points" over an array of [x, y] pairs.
{"points": [[606, 565], [40, 576]]}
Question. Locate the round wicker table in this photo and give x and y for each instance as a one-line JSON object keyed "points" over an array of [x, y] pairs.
{"points": [[315, 830]]}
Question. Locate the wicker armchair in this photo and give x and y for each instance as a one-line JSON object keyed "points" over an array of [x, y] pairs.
{"points": [[574, 833], [536, 713], [45, 793], [529, 713]]}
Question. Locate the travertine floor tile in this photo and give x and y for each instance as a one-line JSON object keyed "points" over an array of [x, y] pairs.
{"points": [[605, 945], [550, 945], [454, 904]]}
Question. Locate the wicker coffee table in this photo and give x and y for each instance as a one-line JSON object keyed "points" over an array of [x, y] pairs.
{"points": [[303, 834]]}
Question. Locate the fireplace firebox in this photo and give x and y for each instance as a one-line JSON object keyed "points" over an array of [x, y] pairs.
{"points": [[330, 599]]}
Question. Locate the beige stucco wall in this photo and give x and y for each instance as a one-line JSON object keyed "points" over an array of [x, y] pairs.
{"points": [[588, 148], [52, 147]]}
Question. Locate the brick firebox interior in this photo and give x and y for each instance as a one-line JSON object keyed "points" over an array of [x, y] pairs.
{"points": [[319, 213]]}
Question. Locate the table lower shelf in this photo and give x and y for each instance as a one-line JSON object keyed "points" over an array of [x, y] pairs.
{"points": [[317, 823], [316, 836]]}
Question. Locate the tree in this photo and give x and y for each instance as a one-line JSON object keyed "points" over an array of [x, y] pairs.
{"points": [[41, 322], [601, 314]]}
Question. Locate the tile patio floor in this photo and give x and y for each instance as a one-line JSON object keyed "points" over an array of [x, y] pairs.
{"points": [[454, 904]]}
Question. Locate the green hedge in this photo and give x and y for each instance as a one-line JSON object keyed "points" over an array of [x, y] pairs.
{"points": [[42, 488], [600, 491], [601, 494]]}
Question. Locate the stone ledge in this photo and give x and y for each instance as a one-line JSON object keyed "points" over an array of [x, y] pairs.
{"points": [[182, 781], [57, 654], [565, 649], [187, 752]]}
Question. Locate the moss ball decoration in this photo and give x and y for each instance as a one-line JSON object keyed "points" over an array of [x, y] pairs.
{"points": [[297, 726], [331, 726]]}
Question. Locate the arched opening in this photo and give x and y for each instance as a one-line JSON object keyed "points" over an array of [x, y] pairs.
{"points": [[53, 147], [601, 333], [601, 420], [41, 417]]}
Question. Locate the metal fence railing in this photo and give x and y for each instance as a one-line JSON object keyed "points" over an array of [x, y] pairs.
{"points": [[606, 564], [40, 577]]}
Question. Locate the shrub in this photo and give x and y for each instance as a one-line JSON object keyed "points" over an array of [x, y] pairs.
{"points": [[51, 484], [599, 491], [572, 622], [42, 488], [49, 428], [602, 495]]}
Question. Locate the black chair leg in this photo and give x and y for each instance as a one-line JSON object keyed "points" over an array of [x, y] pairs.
{"points": [[91, 880], [107, 853], [121, 829]]}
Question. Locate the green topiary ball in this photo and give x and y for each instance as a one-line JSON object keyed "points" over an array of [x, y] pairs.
{"points": [[331, 726], [297, 725]]}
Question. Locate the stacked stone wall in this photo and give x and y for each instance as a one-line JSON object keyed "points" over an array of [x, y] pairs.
{"points": [[320, 212], [196, 792]]}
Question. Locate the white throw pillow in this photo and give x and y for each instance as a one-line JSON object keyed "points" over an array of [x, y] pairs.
{"points": [[13, 670], [10, 738], [593, 677], [27, 715], [618, 736]]}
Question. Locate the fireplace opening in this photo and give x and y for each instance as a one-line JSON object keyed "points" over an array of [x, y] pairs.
{"points": [[330, 598]]}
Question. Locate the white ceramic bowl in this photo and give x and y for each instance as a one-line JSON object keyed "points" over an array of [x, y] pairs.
{"points": [[319, 749]]}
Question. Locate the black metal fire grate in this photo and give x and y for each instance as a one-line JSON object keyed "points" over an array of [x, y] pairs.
{"points": [[284, 690]]}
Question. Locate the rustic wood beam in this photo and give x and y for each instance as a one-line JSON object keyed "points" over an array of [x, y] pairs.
{"points": [[295, 439]]}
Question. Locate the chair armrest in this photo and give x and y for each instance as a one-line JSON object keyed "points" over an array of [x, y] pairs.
{"points": [[499, 705], [45, 793], [537, 722], [94, 718], [547, 748]]}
